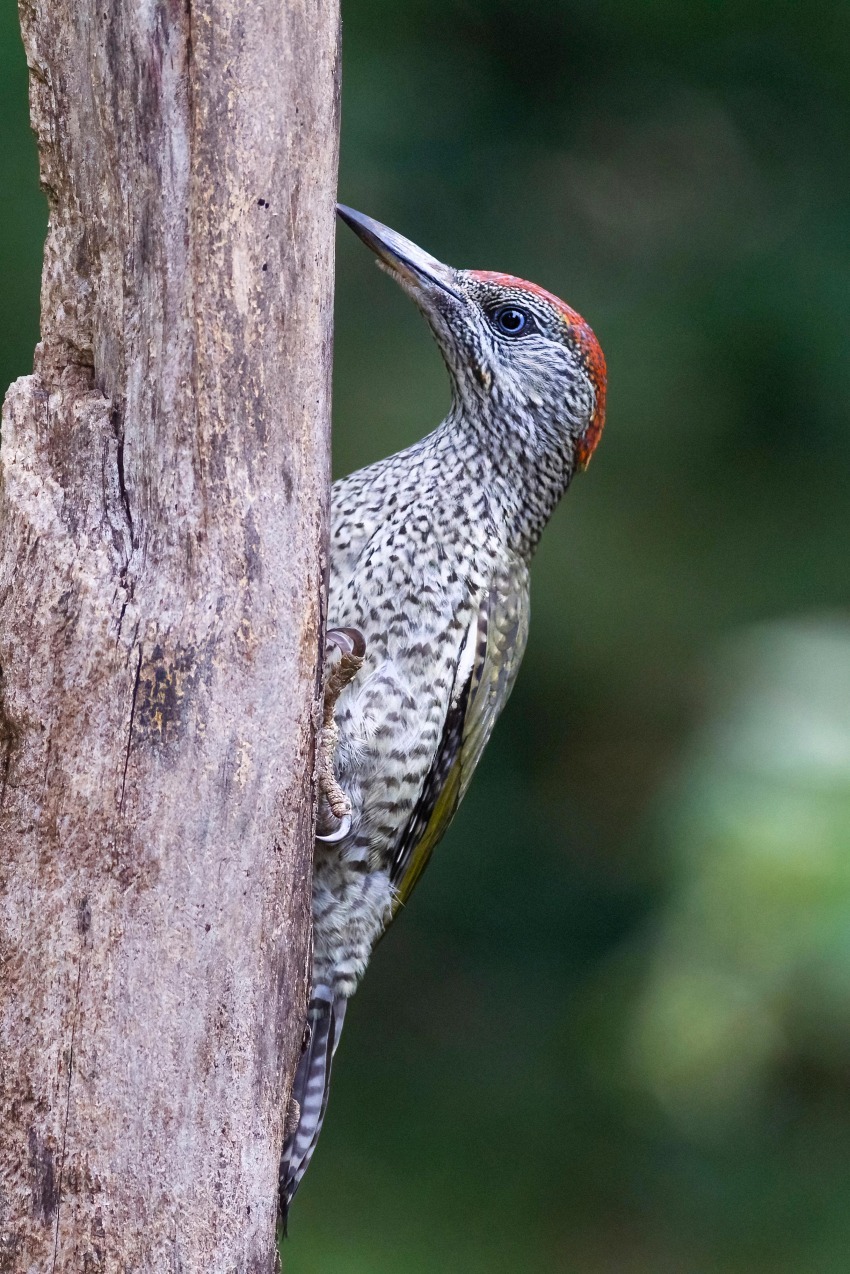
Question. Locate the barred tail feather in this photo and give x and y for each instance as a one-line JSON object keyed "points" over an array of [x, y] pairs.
{"points": [[310, 1090]]}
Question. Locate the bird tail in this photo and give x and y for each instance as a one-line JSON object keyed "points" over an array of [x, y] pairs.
{"points": [[325, 1017]]}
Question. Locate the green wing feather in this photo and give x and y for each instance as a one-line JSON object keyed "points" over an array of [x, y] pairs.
{"points": [[501, 630]]}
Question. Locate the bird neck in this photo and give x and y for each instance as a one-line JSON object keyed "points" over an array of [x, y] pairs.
{"points": [[517, 461]]}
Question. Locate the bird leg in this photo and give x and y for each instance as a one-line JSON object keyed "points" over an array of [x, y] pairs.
{"points": [[352, 651]]}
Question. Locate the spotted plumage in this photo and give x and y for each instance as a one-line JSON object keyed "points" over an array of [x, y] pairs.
{"points": [[430, 553]]}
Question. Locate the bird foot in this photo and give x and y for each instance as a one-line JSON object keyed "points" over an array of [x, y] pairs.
{"points": [[334, 805]]}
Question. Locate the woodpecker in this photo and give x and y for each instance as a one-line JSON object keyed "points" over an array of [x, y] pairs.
{"points": [[428, 612]]}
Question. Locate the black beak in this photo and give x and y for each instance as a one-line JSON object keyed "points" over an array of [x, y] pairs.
{"points": [[413, 267]]}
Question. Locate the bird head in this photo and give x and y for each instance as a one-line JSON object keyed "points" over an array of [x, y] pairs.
{"points": [[515, 352]]}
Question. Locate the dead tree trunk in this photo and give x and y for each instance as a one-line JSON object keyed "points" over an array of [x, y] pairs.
{"points": [[163, 498]]}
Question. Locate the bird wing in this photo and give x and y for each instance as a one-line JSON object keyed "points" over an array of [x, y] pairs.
{"points": [[488, 662]]}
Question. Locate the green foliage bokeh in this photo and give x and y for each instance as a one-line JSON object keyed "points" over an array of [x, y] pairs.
{"points": [[611, 1032]]}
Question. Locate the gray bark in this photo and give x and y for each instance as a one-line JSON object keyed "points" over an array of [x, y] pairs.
{"points": [[163, 499]]}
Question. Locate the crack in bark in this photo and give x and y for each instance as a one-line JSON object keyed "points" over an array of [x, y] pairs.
{"points": [[9, 735], [121, 621], [7, 765], [130, 729], [119, 460], [122, 486]]}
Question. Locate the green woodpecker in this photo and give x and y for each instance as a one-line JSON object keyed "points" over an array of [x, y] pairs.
{"points": [[428, 607]]}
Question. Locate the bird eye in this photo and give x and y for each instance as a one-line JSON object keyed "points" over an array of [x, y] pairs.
{"points": [[511, 321]]}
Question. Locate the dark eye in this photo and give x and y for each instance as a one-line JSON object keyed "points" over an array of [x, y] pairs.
{"points": [[511, 321]]}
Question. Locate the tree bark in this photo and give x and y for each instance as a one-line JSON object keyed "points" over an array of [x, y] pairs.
{"points": [[164, 484]]}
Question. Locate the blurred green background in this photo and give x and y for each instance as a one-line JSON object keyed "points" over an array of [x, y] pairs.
{"points": [[611, 1033]]}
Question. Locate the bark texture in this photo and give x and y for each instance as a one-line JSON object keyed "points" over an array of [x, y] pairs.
{"points": [[163, 496]]}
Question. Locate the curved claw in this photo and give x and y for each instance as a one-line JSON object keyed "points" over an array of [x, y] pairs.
{"points": [[348, 641], [341, 832]]}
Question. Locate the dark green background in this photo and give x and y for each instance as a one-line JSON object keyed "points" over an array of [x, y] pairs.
{"points": [[612, 1030]]}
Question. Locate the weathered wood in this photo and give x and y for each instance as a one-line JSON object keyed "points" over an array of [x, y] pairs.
{"points": [[163, 496]]}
